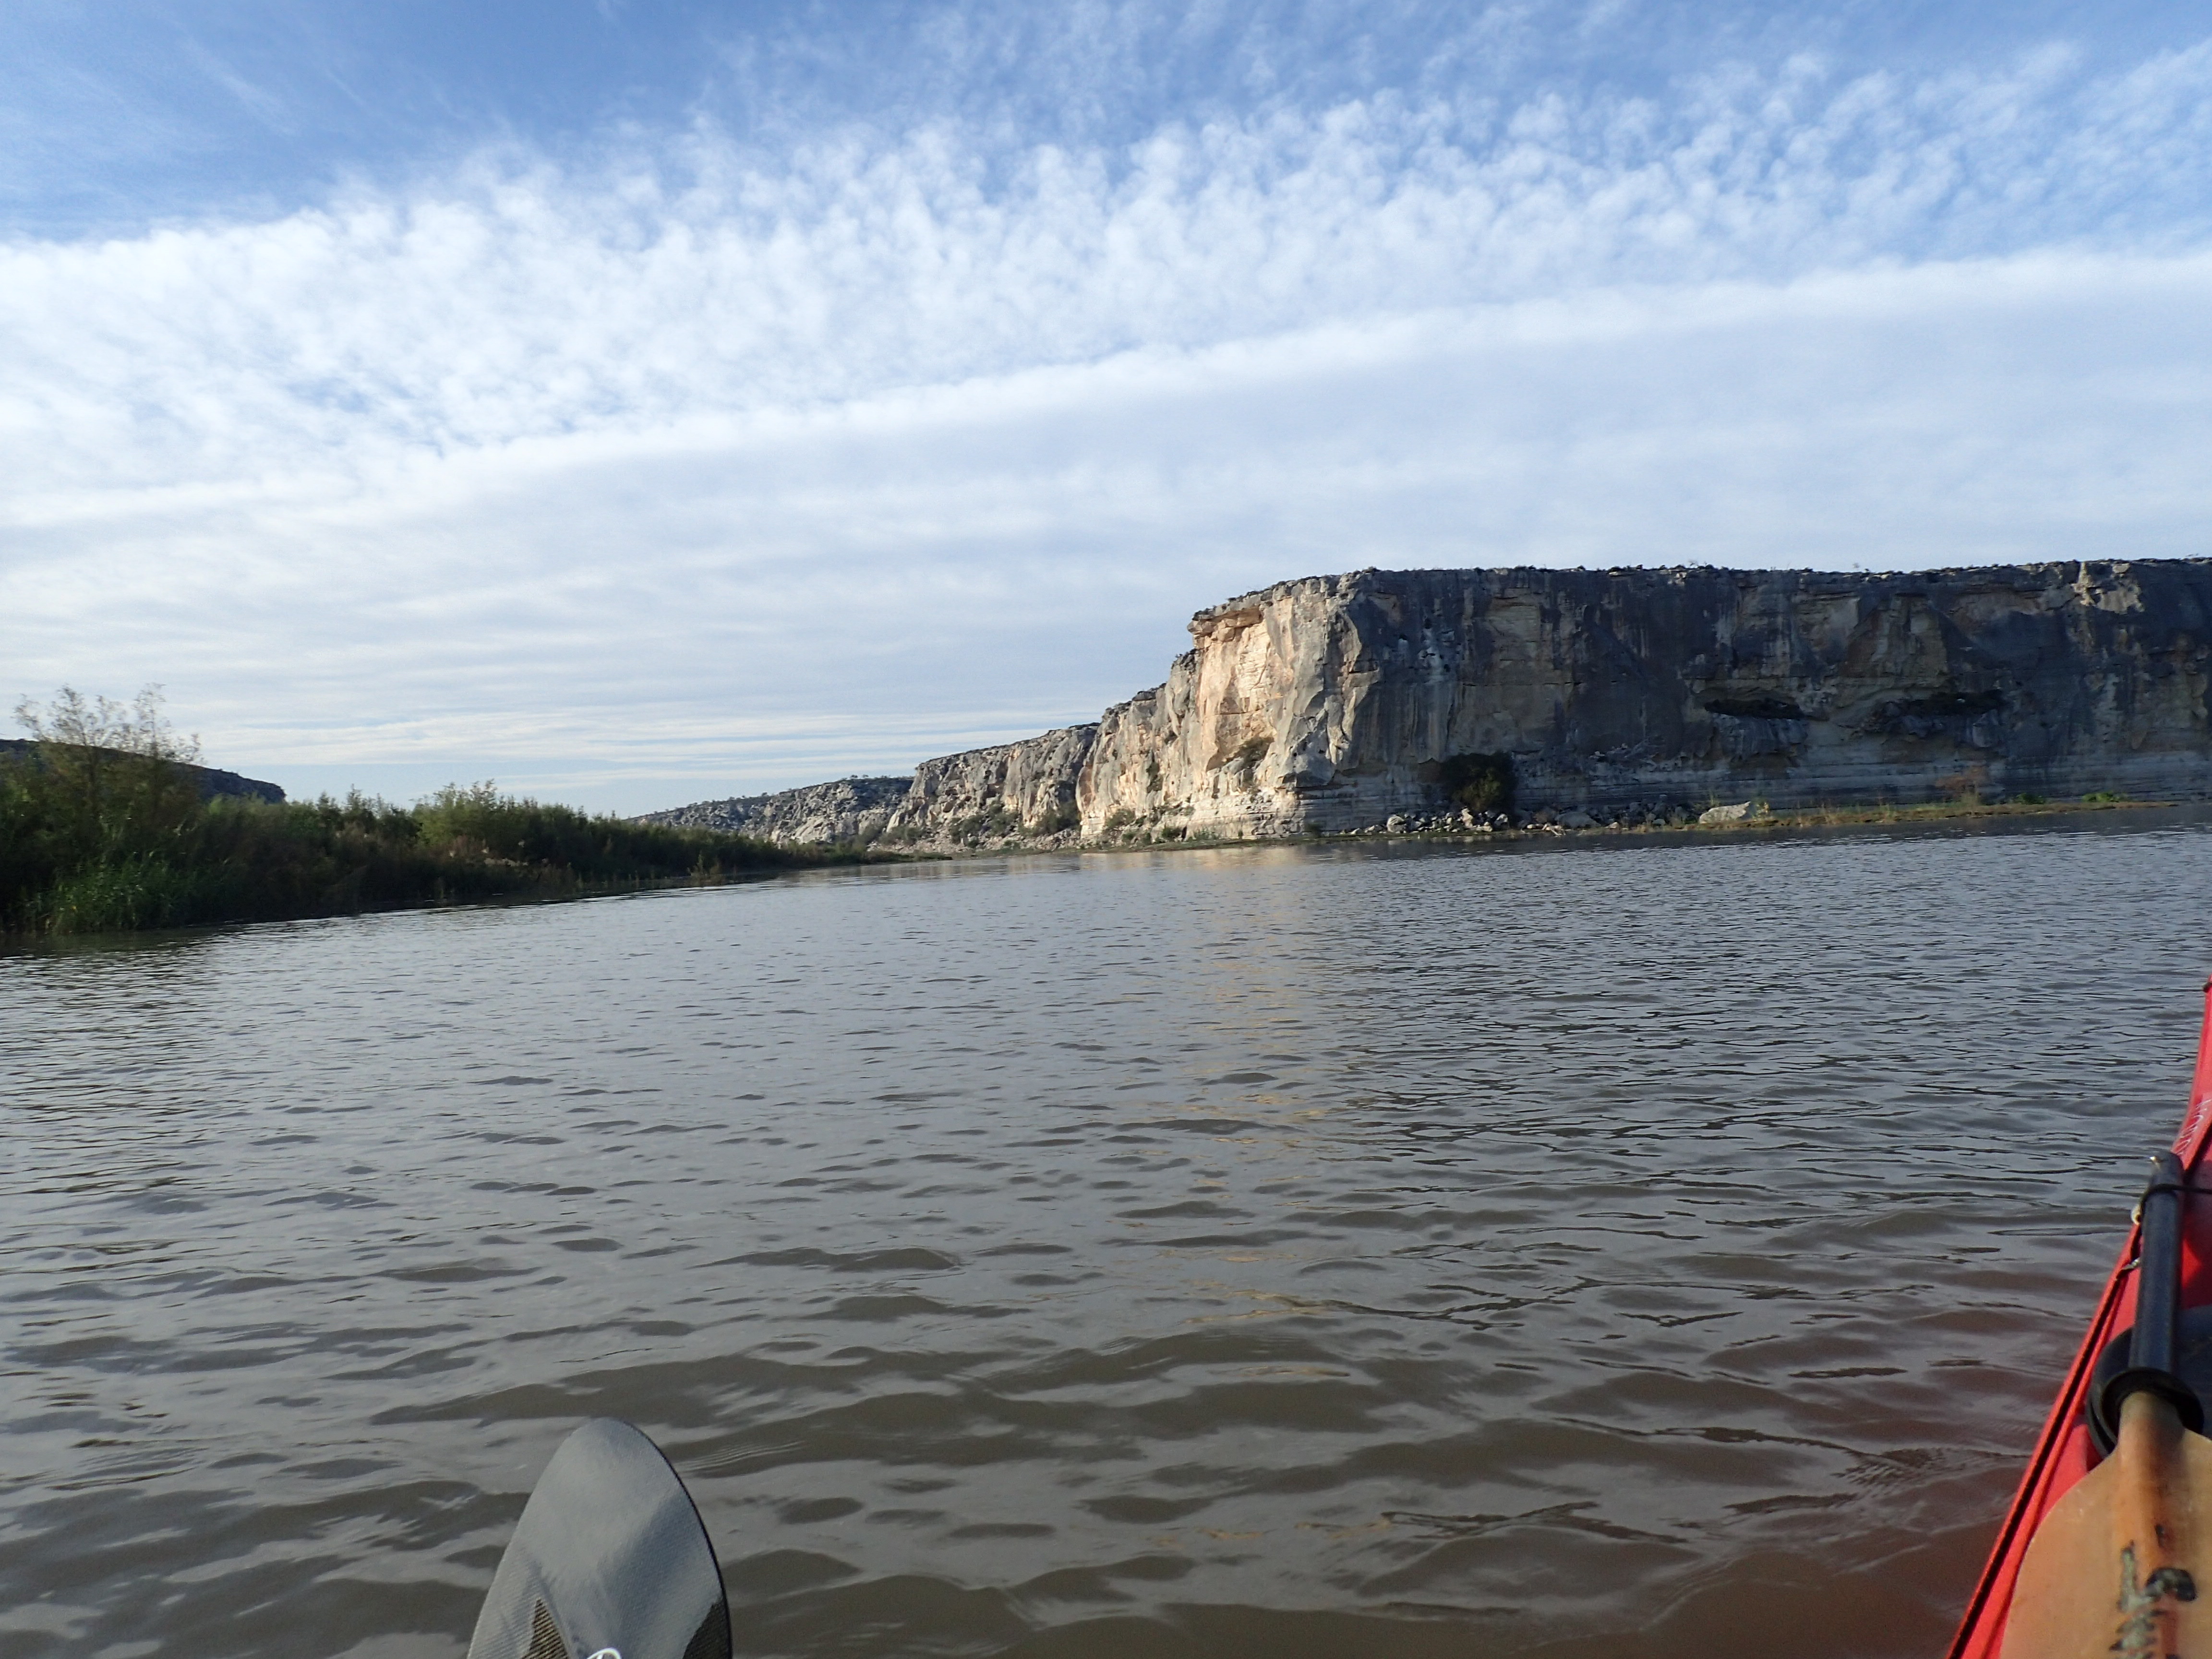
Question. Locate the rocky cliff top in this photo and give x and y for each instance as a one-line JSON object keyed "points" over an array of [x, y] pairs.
{"points": [[1500, 578]]}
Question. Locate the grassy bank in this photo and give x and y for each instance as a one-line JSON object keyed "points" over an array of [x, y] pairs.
{"points": [[96, 841]]}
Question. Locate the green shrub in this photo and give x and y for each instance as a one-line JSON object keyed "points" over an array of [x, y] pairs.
{"points": [[1481, 783], [119, 840], [993, 822]]}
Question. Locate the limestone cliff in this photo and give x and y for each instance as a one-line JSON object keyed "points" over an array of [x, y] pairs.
{"points": [[1026, 790], [1333, 701], [852, 810]]}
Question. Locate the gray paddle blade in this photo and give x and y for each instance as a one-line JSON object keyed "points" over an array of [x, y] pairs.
{"points": [[608, 1561]]}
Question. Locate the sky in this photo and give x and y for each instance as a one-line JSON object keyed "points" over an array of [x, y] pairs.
{"points": [[638, 404]]}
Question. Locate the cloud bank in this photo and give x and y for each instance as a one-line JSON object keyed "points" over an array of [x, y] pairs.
{"points": [[687, 466]]}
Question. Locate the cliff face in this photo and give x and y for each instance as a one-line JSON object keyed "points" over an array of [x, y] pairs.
{"points": [[1026, 789], [1022, 793], [1334, 701], [849, 810]]}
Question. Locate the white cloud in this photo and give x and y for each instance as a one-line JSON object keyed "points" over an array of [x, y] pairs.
{"points": [[698, 473]]}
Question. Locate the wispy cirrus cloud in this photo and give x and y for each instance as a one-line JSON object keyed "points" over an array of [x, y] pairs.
{"points": [[693, 465]]}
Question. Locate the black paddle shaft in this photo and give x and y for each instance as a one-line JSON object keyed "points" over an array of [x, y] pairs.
{"points": [[2158, 1300]]}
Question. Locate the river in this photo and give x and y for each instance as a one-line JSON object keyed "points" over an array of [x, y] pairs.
{"points": [[1655, 1250]]}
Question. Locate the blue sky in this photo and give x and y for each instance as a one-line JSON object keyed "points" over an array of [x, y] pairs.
{"points": [[640, 402]]}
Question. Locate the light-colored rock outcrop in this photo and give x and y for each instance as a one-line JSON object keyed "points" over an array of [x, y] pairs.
{"points": [[1024, 791], [1020, 792], [1333, 702], [852, 811]]}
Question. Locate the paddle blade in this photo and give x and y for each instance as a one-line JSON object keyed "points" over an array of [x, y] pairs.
{"points": [[2115, 1568], [608, 1561]]}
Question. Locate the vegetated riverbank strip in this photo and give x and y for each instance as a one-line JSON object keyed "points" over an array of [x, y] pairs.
{"points": [[101, 840]]}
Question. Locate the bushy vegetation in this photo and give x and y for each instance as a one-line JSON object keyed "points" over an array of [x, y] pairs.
{"points": [[995, 823], [1481, 783], [103, 829]]}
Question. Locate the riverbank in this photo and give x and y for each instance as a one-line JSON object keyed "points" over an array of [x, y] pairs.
{"points": [[1752, 818], [115, 842], [1503, 831], [122, 843]]}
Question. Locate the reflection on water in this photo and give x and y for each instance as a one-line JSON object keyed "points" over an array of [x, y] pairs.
{"points": [[1658, 1251]]}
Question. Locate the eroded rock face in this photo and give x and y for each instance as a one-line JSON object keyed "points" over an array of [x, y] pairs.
{"points": [[1014, 792], [1024, 791], [1334, 702], [852, 811]]}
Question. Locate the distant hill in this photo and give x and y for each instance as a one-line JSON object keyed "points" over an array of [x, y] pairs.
{"points": [[213, 780]]}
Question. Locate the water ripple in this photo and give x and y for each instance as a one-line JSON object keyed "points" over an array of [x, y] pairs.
{"points": [[1316, 1250]]}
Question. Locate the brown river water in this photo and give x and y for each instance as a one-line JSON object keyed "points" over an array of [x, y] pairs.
{"points": [[1643, 1251]]}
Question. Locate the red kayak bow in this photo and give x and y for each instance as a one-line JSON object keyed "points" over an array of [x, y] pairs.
{"points": [[2073, 1440]]}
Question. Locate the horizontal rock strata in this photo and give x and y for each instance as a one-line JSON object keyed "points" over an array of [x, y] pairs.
{"points": [[1333, 702]]}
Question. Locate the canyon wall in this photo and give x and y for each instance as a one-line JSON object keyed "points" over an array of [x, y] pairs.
{"points": [[1021, 791], [854, 811], [1026, 789], [1333, 701]]}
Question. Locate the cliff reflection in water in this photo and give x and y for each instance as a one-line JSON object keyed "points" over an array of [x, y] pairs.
{"points": [[1641, 1252]]}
